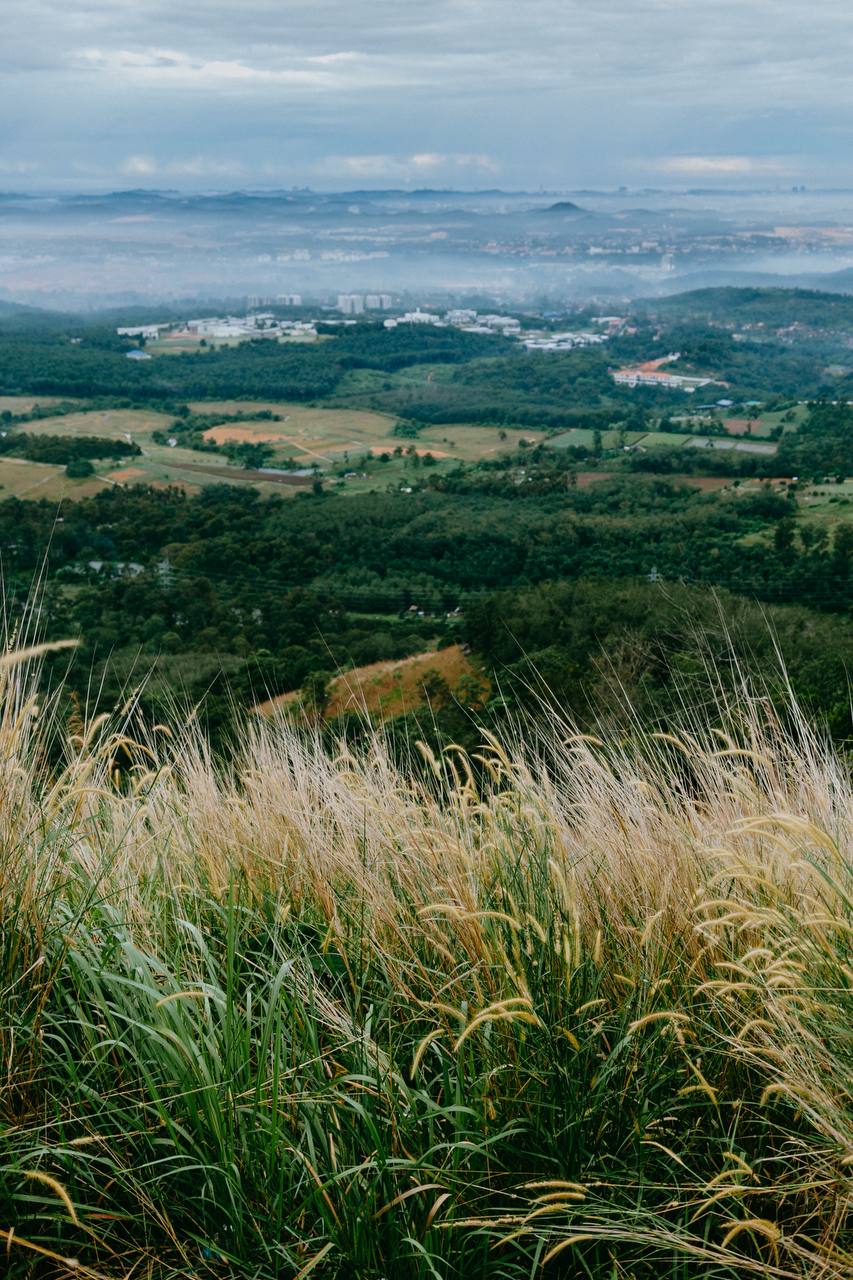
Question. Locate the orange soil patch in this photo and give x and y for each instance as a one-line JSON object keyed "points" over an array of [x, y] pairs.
{"points": [[740, 426], [239, 434], [384, 689], [235, 433], [652, 366], [126, 474]]}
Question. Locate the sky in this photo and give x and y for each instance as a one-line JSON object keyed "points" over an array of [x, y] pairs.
{"points": [[343, 94]]}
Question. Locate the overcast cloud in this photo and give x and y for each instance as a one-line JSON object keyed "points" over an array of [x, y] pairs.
{"points": [[560, 93]]}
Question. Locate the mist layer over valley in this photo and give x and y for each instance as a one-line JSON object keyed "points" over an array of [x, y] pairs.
{"points": [[85, 251]]}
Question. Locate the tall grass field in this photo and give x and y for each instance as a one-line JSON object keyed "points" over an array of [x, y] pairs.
{"points": [[578, 1008]]}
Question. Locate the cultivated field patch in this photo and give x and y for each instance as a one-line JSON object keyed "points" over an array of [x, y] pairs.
{"points": [[297, 417], [114, 424], [471, 443], [584, 437], [26, 404], [745, 427], [243, 433], [22, 479]]}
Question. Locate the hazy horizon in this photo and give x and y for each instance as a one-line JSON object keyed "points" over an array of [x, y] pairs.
{"points": [[70, 251]]}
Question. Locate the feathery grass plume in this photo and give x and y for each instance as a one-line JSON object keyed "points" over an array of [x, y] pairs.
{"points": [[581, 1005]]}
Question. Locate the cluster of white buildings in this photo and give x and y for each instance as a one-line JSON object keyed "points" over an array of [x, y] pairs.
{"points": [[653, 374], [658, 378], [564, 341], [475, 322], [145, 332], [470, 321], [261, 324], [355, 304], [265, 324]]}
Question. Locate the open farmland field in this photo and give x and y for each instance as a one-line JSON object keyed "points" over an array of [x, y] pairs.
{"points": [[330, 439], [356, 450], [325, 435], [22, 479], [26, 404], [471, 443], [651, 439], [296, 418], [175, 344], [744, 426], [158, 464], [315, 435], [787, 419], [584, 437], [115, 424], [827, 504]]}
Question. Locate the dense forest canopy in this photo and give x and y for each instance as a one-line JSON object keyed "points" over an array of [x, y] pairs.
{"points": [[774, 308]]}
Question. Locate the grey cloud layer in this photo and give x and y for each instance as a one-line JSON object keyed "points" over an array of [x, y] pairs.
{"points": [[514, 87]]}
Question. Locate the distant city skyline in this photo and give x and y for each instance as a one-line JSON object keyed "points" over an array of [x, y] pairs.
{"points": [[461, 93]]}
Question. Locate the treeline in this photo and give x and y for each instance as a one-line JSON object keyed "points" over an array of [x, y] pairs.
{"points": [[50, 364], [590, 646], [215, 572], [61, 450], [774, 308], [821, 447], [372, 346], [623, 526], [526, 389]]}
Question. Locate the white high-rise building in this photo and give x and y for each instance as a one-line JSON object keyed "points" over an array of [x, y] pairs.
{"points": [[378, 302], [351, 304]]}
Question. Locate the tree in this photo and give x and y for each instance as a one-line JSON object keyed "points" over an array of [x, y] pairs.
{"points": [[78, 468], [435, 689], [842, 550], [783, 536], [315, 695]]}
